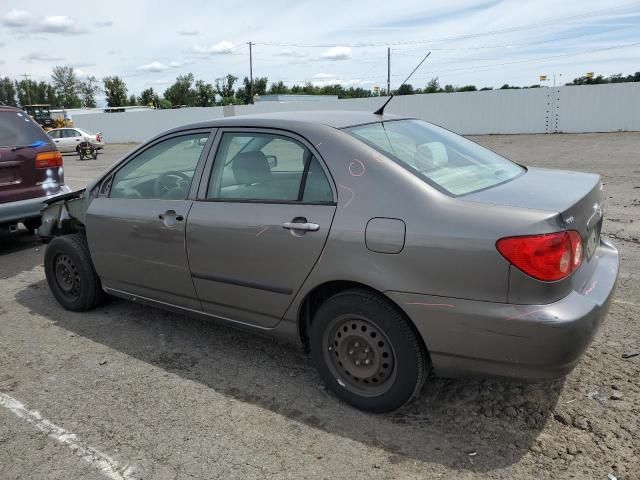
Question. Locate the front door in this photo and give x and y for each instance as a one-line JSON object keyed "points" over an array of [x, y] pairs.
{"points": [[136, 225], [259, 225]]}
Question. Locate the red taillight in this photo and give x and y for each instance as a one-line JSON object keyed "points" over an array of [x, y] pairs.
{"points": [[98, 138], [548, 257], [49, 159]]}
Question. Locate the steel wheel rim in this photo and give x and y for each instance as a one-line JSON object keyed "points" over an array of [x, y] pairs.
{"points": [[67, 277], [359, 355]]}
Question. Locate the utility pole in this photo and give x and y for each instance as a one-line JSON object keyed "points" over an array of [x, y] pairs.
{"points": [[251, 70], [26, 77], [388, 70]]}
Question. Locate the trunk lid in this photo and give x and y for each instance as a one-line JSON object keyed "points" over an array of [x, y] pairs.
{"points": [[577, 197]]}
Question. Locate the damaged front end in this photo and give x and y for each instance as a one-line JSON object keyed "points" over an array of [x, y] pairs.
{"points": [[62, 215]]}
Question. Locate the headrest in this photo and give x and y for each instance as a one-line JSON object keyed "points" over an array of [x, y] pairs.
{"points": [[251, 167], [431, 155]]}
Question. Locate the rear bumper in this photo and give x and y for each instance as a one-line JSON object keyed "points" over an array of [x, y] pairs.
{"points": [[527, 342], [20, 210]]}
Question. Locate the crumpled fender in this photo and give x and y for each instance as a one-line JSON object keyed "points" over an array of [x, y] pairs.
{"points": [[61, 212]]}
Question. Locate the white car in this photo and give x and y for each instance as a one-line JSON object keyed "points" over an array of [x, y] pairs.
{"points": [[68, 139]]}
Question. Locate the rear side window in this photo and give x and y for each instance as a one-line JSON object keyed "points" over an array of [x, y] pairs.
{"points": [[443, 159], [17, 129]]}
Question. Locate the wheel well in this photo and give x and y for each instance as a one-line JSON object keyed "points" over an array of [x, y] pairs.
{"points": [[319, 294]]}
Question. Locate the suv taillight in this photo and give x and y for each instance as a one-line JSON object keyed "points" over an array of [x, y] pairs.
{"points": [[49, 159], [98, 138], [547, 257]]}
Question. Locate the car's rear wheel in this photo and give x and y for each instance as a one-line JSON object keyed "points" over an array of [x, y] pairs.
{"points": [[71, 275], [367, 352]]}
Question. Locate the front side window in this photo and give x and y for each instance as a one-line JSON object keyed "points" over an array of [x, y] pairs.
{"points": [[445, 160], [163, 171], [257, 166], [54, 133]]}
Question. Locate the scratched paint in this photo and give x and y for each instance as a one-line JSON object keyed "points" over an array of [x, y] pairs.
{"points": [[351, 192], [356, 168], [423, 304], [262, 231]]}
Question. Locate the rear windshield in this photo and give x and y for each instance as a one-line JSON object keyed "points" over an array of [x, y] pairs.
{"points": [[447, 161], [17, 129]]}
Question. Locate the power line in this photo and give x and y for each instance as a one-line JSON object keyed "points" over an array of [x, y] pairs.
{"points": [[443, 39], [488, 66], [571, 54]]}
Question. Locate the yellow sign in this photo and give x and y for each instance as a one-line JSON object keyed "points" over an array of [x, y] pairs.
{"points": [[589, 75], [543, 78]]}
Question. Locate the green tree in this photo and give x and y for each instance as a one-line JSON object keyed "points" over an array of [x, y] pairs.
{"points": [[432, 86], [224, 88], [449, 88], [467, 88], [115, 90], [278, 88], [181, 92], [7, 91], [65, 83], [406, 89], [205, 94], [132, 101], [147, 97], [88, 91], [163, 103]]}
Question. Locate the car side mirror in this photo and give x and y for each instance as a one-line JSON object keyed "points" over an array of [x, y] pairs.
{"points": [[273, 161]]}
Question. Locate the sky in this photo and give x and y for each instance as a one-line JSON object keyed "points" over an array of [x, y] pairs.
{"points": [[480, 42]]}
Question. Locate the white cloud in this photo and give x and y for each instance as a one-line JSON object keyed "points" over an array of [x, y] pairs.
{"points": [[337, 53], [40, 57], [287, 52], [159, 66], [103, 23], [23, 21], [188, 33], [221, 48], [58, 24], [17, 18]]}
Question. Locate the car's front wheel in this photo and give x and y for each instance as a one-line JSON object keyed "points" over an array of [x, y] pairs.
{"points": [[367, 352], [71, 275]]}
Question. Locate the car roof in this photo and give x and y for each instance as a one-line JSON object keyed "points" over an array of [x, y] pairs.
{"points": [[332, 118]]}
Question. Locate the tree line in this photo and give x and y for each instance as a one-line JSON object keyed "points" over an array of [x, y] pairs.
{"points": [[67, 90]]}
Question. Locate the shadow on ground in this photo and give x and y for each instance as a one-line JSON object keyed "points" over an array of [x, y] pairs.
{"points": [[19, 251], [450, 420]]}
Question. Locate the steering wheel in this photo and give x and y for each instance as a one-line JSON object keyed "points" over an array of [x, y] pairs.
{"points": [[170, 181]]}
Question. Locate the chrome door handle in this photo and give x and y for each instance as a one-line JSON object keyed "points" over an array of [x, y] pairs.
{"points": [[307, 227]]}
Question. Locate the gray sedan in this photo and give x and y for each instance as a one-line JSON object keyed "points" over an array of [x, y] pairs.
{"points": [[390, 248]]}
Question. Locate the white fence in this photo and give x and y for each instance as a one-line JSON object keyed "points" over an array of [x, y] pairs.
{"points": [[575, 109]]}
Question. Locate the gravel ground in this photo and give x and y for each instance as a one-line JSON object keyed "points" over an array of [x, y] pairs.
{"points": [[142, 393]]}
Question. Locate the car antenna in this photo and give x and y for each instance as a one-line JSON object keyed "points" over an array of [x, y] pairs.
{"points": [[380, 111]]}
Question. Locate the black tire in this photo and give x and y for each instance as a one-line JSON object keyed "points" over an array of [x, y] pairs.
{"points": [[71, 275], [376, 333]]}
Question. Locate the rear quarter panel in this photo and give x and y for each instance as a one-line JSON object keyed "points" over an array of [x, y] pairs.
{"points": [[449, 247]]}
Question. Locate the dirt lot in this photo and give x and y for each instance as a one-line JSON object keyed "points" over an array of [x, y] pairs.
{"points": [[130, 392]]}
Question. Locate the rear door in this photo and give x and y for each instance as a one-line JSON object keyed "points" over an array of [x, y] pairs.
{"points": [[136, 225], [261, 220]]}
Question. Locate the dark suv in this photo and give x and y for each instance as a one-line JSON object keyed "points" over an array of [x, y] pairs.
{"points": [[30, 169]]}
